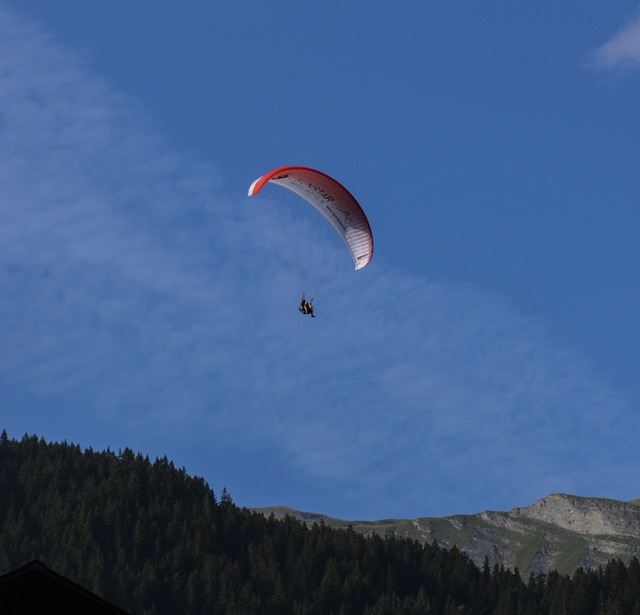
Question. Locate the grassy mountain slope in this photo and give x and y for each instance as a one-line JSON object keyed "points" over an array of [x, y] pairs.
{"points": [[560, 532]]}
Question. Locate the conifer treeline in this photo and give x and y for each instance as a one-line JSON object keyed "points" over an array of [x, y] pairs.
{"points": [[154, 540]]}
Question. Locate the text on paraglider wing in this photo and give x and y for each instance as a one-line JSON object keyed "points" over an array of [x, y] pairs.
{"points": [[315, 192]]}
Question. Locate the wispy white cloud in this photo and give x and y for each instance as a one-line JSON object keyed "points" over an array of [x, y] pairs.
{"points": [[622, 51], [131, 287]]}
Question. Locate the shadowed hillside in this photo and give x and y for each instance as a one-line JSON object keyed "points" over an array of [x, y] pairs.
{"points": [[153, 540]]}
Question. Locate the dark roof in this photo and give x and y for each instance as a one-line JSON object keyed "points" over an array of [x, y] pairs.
{"points": [[34, 588]]}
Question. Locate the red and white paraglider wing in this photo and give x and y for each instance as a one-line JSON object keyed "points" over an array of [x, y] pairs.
{"points": [[332, 200]]}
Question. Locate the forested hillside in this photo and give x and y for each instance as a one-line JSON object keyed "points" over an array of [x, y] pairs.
{"points": [[152, 539]]}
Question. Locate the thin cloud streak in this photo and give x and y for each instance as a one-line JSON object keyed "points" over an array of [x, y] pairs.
{"points": [[129, 284], [622, 51]]}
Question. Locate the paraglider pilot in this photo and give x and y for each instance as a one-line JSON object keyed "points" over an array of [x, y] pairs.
{"points": [[306, 307]]}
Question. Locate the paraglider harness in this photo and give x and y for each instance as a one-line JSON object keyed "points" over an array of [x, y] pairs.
{"points": [[306, 307]]}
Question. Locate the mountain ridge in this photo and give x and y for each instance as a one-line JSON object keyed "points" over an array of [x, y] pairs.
{"points": [[558, 532]]}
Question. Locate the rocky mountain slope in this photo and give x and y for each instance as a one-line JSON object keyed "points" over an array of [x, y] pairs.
{"points": [[560, 532]]}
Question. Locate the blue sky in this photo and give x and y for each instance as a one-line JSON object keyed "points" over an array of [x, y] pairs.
{"points": [[487, 356]]}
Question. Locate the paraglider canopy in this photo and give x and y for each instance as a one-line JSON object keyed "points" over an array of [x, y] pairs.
{"points": [[332, 200]]}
